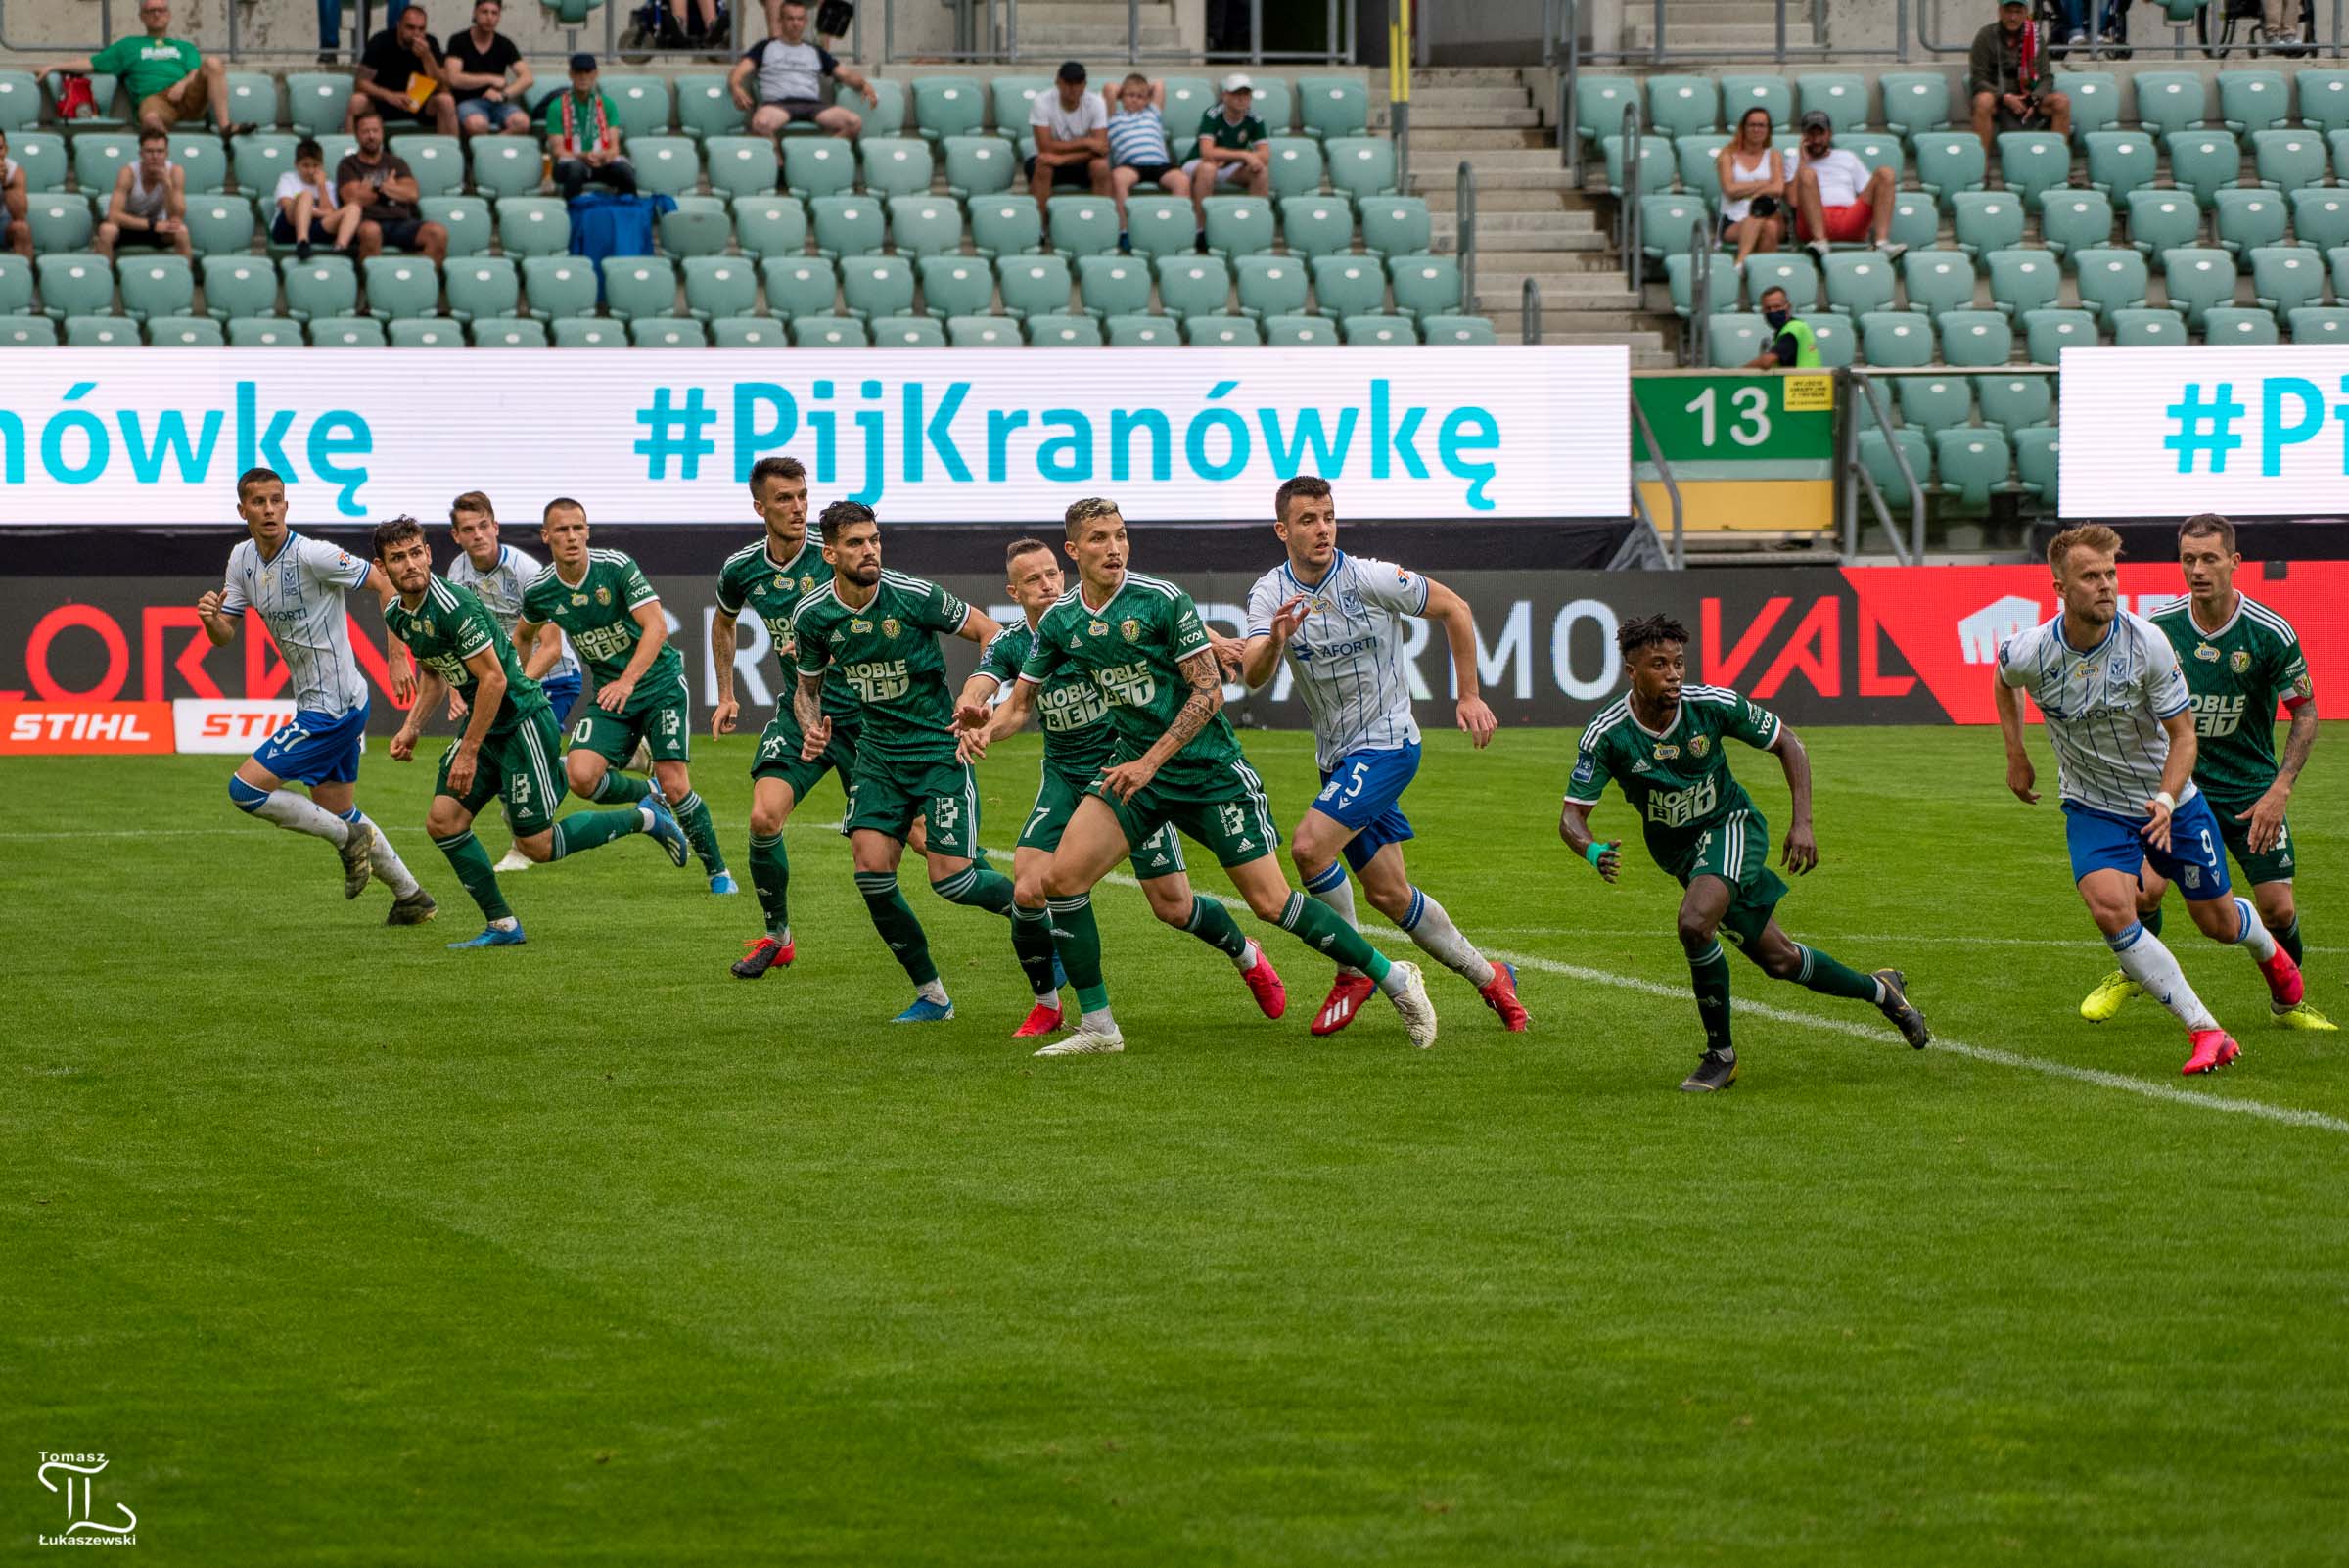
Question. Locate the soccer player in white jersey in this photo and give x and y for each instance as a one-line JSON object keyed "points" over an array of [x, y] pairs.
{"points": [[296, 585], [1338, 619], [2123, 727], [497, 572]]}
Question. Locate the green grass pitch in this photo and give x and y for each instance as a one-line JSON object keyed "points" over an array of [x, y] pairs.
{"points": [[346, 1249]]}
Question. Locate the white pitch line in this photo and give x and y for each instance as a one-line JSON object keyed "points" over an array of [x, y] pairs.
{"points": [[129, 833], [1917, 938]]}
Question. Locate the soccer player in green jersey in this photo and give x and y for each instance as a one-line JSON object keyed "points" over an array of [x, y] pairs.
{"points": [[1139, 642], [880, 630], [601, 598], [1078, 743], [2240, 659], [1666, 744], [510, 742]]}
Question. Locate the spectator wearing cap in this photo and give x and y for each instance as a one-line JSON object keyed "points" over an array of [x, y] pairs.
{"points": [[1791, 345], [779, 80], [403, 77], [1071, 128], [168, 78], [1836, 197], [488, 75], [582, 135], [2008, 80], [1234, 149]]}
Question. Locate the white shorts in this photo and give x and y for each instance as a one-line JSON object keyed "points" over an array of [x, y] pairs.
{"points": [[1226, 173]]}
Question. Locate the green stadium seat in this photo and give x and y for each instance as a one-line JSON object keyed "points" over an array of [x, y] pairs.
{"points": [[2338, 141], [847, 225], [2159, 220], [1276, 101], [1300, 332], [948, 106], [1876, 150], [2327, 324], [2284, 277], [898, 166], [1938, 280], [2321, 216], [220, 225], [186, 331], [101, 332], [1892, 339], [98, 156], [2240, 326], [1680, 282], [1034, 285], [705, 108], [829, 332], [1010, 98], [877, 285], [1428, 284], [2196, 278], [1700, 173], [666, 331], [425, 332], [1876, 447], [2147, 327], [324, 286], [1221, 332], [1113, 285], [533, 225], [1457, 330], [589, 332], [1161, 225], [1064, 332], [1791, 270], [2325, 99], [1348, 286], [2095, 97], [1142, 332], [1915, 221], [438, 161], [2170, 101], [984, 331], [560, 287], [466, 220], [1734, 338], [76, 284], [1242, 225], [1271, 284], [239, 286], [739, 168], [1975, 337], [1189, 98], [2024, 280], [15, 285], [264, 332], [1378, 332], [910, 332], [1916, 102], [365, 332], [509, 332], [2111, 278], [800, 286], [979, 166], [257, 160], [1971, 464], [925, 225], [155, 286], [2120, 163], [507, 165], [400, 286], [1934, 404], [1197, 284], [1296, 167], [2034, 163], [770, 225], [667, 165], [2046, 334], [28, 332], [884, 118], [315, 101], [1332, 106], [1857, 281], [1683, 106], [641, 105], [720, 286], [1839, 95], [2287, 159], [1835, 338], [699, 226], [1392, 225], [2253, 100], [1741, 91], [2073, 221], [1598, 103], [1950, 162], [60, 223], [1987, 220], [747, 331], [1669, 223], [204, 159], [2203, 161], [2035, 463], [1007, 225], [1315, 226], [45, 160], [956, 286], [20, 101], [1656, 164], [818, 166], [1082, 225], [482, 288], [2247, 217]]}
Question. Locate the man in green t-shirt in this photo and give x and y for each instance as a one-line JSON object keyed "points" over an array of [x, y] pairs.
{"points": [[508, 750], [166, 77], [1235, 151], [582, 135]]}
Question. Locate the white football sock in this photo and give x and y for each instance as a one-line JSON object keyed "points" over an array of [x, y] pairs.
{"points": [[1250, 952], [390, 868], [1426, 923], [2152, 965], [1334, 889], [301, 814], [2255, 935], [1099, 1021], [930, 991]]}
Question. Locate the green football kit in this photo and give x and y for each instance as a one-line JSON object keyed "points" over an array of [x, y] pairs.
{"points": [[2235, 676]]}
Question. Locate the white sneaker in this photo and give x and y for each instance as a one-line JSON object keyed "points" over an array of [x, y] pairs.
{"points": [[1893, 250], [515, 860], [1411, 1002], [1084, 1042], [640, 760], [1819, 249]]}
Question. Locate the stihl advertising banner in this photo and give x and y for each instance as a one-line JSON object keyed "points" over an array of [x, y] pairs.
{"points": [[80, 659]]}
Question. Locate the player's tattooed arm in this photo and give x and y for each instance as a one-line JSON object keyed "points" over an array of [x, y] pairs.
{"points": [[721, 659], [1801, 850], [1449, 610], [807, 707], [2019, 772], [1574, 826], [2266, 816], [1205, 701]]}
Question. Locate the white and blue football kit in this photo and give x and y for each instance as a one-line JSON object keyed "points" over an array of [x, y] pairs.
{"points": [[298, 595], [500, 590], [2104, 710]]}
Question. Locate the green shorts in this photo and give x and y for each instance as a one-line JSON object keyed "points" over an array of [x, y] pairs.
{"points": [[1157, 855], [779, 754], [1220, 803], [2275, 865], [1737, 851], [888, 797], [664, 727], [521, 767]]}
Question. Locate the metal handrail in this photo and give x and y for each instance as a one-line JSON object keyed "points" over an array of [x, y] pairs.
{"points": [[1672, 488], [1570, 133], [1659, 51], [1627, 214], [1463, 204], [1882, 411], [2179, 48], [1703, 238], [1528, 313]]}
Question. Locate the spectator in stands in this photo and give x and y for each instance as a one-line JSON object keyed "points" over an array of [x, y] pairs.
{"points": [[1138, 145], [1071, 128], [149, 203], [166, 78], [383, 189], [1791, 345], [306, 209], [695, 22], [488, 77], [15, 231], [402, 63], [1234, 149], [1753, 186], [582, 136], [1836, 197], [2008, 82], [791, 73]]}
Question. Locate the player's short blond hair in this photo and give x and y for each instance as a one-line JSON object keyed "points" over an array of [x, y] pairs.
{"points": [[2088, 535], [1080, 513]]}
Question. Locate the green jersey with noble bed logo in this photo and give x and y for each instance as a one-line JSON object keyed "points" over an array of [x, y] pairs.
{"points": [[1079, 741], [887, 653], [451, 627], [1679, 780], [2235, 676], [599, 613], [751, 580], [1132, 651]]}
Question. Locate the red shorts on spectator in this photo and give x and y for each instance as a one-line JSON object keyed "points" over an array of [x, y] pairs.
{"points": [[1845, 224]]}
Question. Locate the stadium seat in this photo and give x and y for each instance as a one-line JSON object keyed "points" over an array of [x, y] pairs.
{"points": [[1189, 98], [1838, 95], [2095, 97], [1362, 167], [155, 286], [1834, 337], [706, 107], [1006, 225], [365, 332], [1196, 285], [560, 287], [886, 116], [204, 159], [1656, 164], [1680, 282], [698, 227], [482, 288], [439, 162], [641, 105], [1315, 226], [98, 156], [829, 332], [2240, 326], [1971, 464], [948, 106], [747, 331], [1332, 107], [955, 286], [2338, 141], [2160, 219], [2072, 220], [877, 286], [770, 225], [508, 332], [1012, 97], [323, 287], [256, 160], [2121, 163], [2325, 99], [2327, 324], [1975, 337], [1683, 106], [925, 225], [101, 332], [433, 332], [2170, 101], [1791, 270], [1458, 330], [315, 101], [403, 286], [1916, 102], [1221, 332], [721, 286], [1348, 286], [2245, 218], [1938, 280], [1377, 331], [1934, 404], [1392, 225], [1744, 90], [1734, 338], [1113, 285], [1857, 281], [1425, 285], [666, 331], [2253, 100], [741, 167], [2147, 328], [589, 332], [20, 101], [984, 332], [1876, 450], [2023, 280], [1598, 103], [667, 165], [2196, 278], [506, 165], [533, 225], [1875, 150], [1891, 338], [1296, 167], [1276, 101], [818, 166], [45, 160], [1082, 225], [264, 332], [74, 284], [908, 331], [60, 223], [1700, 170], [1300, 332], [800, 286], [1271, 284], [1669, 223], [2035, 462], [15, 285], [2284, 277], [1034, 285], [220, 225], [2287, 159], [1916, 220], [1161, 225], [28, 332], [1142, 332], [239, 286], [1053, 331], [2034, 163], [897, 165], [2321, 216], [847, 225], [1987, 220], [1950, 162], [979, 166], [186, 331], [2111, 279], [2203, 161], [2047, 333]]}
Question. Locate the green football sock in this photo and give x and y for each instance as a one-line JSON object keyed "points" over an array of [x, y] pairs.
{"points": [[615, 786], [1709, 978], [1830, 978], [894, 918], [979, 886], [585, 830], [771, 879], [470, 862], [693, 816], [1213, 924], [2151, 921], [1319, 929], [1031, 941], [1078, 939], [2288, 938]]}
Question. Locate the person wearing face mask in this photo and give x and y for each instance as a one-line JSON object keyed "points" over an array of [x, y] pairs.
{"points": [[1791, 345]]}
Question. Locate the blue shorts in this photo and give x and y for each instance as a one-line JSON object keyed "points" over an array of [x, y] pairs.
{"points": [[2196, 861], [1362, 792], [562, 695], [495, 113], [316, 748]]}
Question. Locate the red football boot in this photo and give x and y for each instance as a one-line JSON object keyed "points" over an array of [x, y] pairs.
{"points": [[763, 955], [2214, 1048], [2284, 985], [1344, 1000], [1264, 983], [1042, 1019], [1500, 994]]}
